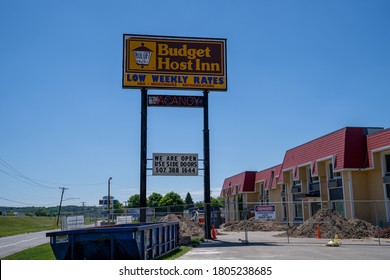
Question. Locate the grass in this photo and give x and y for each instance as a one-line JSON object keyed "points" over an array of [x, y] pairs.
{"points": [[44, 252], [10, 225], [177, 253], [41, 252], [18, 225]]}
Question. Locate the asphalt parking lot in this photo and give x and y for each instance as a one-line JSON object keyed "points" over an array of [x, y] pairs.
{"points": [[265, 246]]}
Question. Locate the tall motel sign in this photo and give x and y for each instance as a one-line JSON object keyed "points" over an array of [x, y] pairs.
{"points": [[174, 63]]}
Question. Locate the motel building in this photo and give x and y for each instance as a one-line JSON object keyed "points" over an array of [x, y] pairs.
{"points": [[347, 170]]}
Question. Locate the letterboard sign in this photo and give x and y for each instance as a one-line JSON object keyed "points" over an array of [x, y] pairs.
{"points": [[165, 164]]}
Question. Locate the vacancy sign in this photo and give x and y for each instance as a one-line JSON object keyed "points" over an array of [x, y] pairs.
{"points": [[175, 164]]}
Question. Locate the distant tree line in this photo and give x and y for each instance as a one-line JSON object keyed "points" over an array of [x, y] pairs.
{"points": [[171, 200], [50, 211], [155, 200]]}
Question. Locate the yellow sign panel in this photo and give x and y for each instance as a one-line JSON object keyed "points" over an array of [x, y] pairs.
{"points": [[174, 62]]}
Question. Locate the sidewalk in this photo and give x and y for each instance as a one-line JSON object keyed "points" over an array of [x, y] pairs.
{"points": [[265, 246]]}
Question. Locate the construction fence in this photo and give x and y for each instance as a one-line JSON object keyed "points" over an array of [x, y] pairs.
{"points": [[353, 222]]}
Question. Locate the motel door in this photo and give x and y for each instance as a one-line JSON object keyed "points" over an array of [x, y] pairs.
{"points": [[315, 207]]}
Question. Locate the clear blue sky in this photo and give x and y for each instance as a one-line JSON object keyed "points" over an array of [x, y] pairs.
{"points": [[296, 70]]}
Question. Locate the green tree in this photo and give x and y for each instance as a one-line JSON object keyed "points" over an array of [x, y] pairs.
{"points": [[174, 201], [199, 204], [189, 201], [41, 211], [217, 202], [154, 199], [118, 207], [134, 201]]}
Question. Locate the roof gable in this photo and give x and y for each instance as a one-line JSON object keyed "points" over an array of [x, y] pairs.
{"points": [[377, 141], [245, 182], [347, 146], [269, 176]]}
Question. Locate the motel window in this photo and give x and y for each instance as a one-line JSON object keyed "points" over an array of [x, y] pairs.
{"points": [[335, 179], [387, 164], [314, 179], [298, 211], [314, 183], [336, 193], [332, 174], [338, 206], [271, 180], [283, 192], [284, 208], [309, 178], [262, 193], [297, 187]]}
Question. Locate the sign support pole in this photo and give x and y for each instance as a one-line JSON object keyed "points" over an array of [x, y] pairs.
{"points": [[143, 167], [206, 151]]}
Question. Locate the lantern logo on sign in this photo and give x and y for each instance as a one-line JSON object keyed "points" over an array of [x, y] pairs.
{"points": [[142, 55]]}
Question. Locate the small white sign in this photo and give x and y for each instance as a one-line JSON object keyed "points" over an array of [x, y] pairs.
{"points": [[265, 212], [124, 220], [175, 164]]}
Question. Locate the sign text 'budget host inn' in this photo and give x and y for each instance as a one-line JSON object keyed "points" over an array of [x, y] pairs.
{"points": [[174, 62]]}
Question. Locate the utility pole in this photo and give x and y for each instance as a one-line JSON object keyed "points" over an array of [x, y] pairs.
{"points": [[59, 209], [108, 200], [83, 203]]}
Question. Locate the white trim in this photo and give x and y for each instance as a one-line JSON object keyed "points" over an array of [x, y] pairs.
{"points": [[383, 162], [331, 157], [305, 164], [379, 150], [262, 180], [289, 169], [351, 200], [383, 166]]}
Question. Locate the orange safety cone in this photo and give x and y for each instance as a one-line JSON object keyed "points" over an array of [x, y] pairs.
{"points": [[319, 232], [213, 234]]}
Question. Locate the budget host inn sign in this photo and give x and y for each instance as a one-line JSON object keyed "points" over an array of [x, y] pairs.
{"points": [[174, 63]]}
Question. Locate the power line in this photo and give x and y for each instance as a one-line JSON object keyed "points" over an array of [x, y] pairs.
{"points": [[72, 185], [25, 203], [20, 176], [16, 174], [10, 200]]}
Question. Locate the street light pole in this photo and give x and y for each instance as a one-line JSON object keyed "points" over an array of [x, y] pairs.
{"points": [[108, 200]]}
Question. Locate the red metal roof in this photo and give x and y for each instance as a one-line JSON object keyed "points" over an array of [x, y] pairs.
{"points": [[269, 176], [347, 146], [245, 181], [377, 141]]}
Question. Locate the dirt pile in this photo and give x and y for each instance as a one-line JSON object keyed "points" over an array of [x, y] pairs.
{"points": [[188, 229], [347, 229], [352, 228], [254, 225]]}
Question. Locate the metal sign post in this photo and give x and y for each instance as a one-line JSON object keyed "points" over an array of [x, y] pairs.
{"points": [[206, 152], [143, 167]]}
